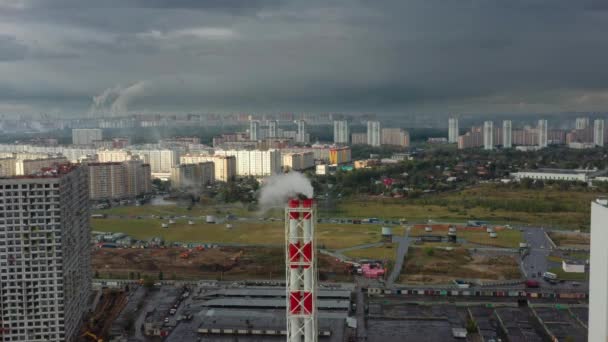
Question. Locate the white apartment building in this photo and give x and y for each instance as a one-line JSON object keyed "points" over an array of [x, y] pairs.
{"points": [[488, 135], [374, 133], [86, 136], [598, 132], [256, 163], [73, 154], [161, 161], [107, 156], [507, 134], [7, 167], [341, 132], [225, 166], [45, 255], [298, 161], [254, 130], [542, 133], [453, 130], [582, 123], [598, 282], [301, 135], [273, 129]]}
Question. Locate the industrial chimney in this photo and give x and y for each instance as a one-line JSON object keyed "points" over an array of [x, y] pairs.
{"points": [[301, 270]]}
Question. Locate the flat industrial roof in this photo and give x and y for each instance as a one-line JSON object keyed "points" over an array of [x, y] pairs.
{"points": [[273, 292], [323, 304]]}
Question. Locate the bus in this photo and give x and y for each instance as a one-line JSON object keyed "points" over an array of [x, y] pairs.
{"points": [[549, 276]]}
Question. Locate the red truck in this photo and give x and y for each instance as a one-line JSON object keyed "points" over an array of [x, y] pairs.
{"points": [[532, 284]]}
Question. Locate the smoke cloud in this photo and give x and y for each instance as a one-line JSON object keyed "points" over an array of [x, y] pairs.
{"points": [[115, 100], [278, 188]]}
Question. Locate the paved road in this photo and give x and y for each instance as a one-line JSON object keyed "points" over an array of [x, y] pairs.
{"points": [[536, 261], [404, 244]]}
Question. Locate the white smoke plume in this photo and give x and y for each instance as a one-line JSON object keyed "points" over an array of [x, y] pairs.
{"points": [[120, 105], [115, 100], [278, 189]]}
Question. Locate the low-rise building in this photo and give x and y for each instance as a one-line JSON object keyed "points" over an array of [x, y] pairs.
{"points": [[559, 174], [573, 266]]}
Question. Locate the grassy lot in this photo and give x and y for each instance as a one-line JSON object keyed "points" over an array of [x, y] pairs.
{"points": [[509, 238], [179, 210], [332, 236], [547, 207], [386, 252], [567, 275], [429, 265]]}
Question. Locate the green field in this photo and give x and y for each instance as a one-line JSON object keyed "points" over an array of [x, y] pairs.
{"points": [[497, 204], [332, 236]]}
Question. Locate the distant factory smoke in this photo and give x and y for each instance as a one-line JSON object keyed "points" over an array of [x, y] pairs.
{"points": [[278, 188], [115, 100]]}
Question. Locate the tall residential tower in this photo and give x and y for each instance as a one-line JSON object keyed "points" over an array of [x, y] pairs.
{"points": [[507, 134], [341, 132], [453, 130], [598, 132], [542, 133], [598, 282], [488, 135], [45, 253], [373, 133]]}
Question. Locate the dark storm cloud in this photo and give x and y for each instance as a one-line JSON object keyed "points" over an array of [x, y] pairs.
{"points": [[381, 56]]}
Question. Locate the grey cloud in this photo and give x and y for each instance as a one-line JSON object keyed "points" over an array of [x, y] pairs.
{"points": [[311, 55], [11, 49]]}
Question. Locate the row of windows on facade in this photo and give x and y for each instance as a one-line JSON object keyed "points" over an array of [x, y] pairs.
{"points": [[28, 186]]}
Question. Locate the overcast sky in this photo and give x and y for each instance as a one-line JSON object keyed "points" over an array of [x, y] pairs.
{"points": [[402, 56]]}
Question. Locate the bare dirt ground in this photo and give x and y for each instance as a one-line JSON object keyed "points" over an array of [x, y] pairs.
{"points": [[223, 263]]}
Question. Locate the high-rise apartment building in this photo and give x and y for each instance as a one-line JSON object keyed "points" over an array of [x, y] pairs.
{"points": [[598, 132], [106, 156], [453, 130], [488, 135], [273, 129], [86, 136], [301, 135], [225, 166], [339, 155], [507, 134], [374, 133], [192, 175], [598, 282], [116, 180], [254, 130], [395, 137], [256, 163], [582, 123], [542, 133], [341, 132], [358, 138], [45, 255], [298, 161], [8, 167]]}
